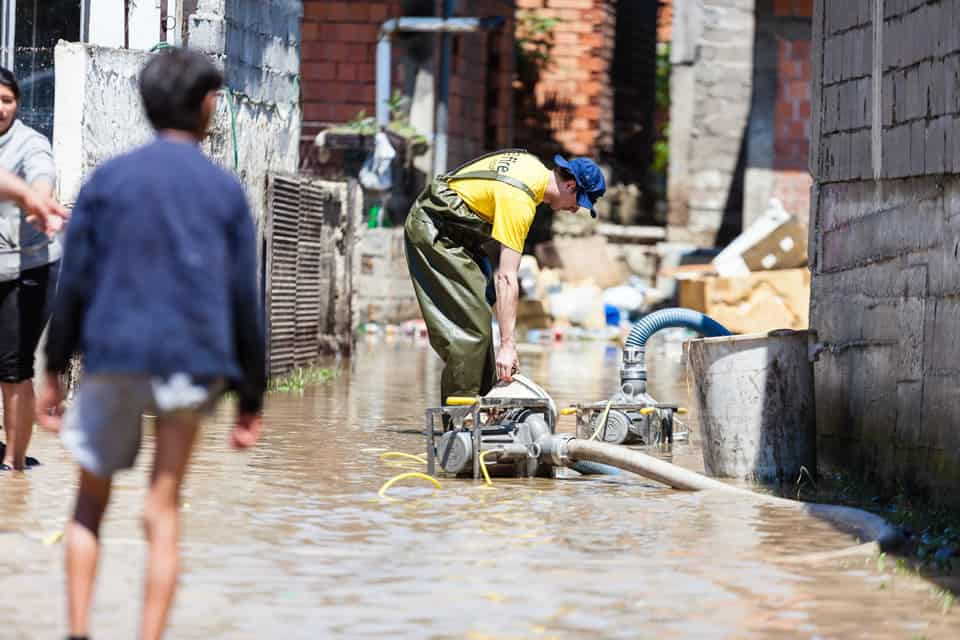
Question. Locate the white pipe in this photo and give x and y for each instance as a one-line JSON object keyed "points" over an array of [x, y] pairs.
{"points": [[867, 525], [417, 25]]}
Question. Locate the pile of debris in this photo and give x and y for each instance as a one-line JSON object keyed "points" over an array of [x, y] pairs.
{"points": [[598, 285], [759, 282], [594, 280]]}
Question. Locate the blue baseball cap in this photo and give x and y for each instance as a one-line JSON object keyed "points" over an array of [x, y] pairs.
{"points": [[590, 182]]}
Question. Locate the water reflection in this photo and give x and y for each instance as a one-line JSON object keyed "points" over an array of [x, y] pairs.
{"points": [[293, 539]]}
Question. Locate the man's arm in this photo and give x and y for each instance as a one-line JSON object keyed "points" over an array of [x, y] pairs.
{"points": [[249, 336], [508, 294], [41, 210], [40, 172]]}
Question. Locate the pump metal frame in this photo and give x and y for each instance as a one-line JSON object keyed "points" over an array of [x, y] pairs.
{"points": [[482, 404], [591, 408]]}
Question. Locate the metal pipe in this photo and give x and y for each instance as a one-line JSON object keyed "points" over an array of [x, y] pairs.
{"points": [[126, 24], [441, 118], [415, 25]]}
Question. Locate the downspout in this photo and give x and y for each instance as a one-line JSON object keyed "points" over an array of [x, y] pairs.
{"points": [[442, 119], [416, 25], [126, 24]]}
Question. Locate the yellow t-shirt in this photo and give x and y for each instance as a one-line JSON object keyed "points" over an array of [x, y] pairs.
{"points": [[509, 209]]}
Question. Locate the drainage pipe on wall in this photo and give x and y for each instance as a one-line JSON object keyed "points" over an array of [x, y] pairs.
{"points": [[419, 25]]}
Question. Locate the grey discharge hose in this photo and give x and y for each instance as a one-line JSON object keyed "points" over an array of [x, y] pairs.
{"points": [[867, 526]]}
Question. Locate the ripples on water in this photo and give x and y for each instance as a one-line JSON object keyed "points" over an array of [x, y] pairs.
{"points": [[291, 540]]}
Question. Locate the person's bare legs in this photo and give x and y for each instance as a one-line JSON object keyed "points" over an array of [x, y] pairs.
{"points": [[18, 407], [83, 548], [175, 437]]}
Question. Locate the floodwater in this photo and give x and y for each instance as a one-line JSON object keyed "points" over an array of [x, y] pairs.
{"points": [[292, 541]]}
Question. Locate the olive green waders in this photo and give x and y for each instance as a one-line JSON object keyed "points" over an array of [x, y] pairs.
{"points": [[443, 239]]}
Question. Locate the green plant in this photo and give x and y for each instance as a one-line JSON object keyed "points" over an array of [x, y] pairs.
{"points": [[301, 378], [361, 124], [661, 146], [533, 46]]}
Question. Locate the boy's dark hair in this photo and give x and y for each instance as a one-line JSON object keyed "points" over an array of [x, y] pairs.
{"points": [[9, 80], [173, 85], [563, 174]]}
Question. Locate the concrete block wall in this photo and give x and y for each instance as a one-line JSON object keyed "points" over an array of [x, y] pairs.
{"points": [[884, 241], [740, 114], [385, 292], [339, 74], [711, 93]]}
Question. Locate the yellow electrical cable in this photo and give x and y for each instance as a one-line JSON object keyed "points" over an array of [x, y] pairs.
{"points": [[602, 426], [412, 474], [401, 454], [483, 466]]}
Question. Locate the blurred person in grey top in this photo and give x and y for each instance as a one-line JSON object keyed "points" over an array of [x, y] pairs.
{"points": [[26, 153], [29, 265]]}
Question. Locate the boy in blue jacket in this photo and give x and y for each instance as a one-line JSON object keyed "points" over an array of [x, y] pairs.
{"points": [[158, 294]]}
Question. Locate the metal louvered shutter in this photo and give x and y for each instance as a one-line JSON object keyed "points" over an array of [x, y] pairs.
{"points": [[311, 295], [281, 294], [307, 284]]}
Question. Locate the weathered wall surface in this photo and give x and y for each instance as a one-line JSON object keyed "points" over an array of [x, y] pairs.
{"points": [[384, 290], [256, 131], [740, 114], [885, 237], [712, 59]]}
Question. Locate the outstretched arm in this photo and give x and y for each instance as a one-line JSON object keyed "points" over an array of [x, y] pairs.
{"points": [[41, 210]]}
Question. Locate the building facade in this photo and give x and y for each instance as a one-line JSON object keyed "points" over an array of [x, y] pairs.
{"points": [[884, 241]]}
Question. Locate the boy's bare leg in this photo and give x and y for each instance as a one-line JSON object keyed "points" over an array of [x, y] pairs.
{"points": [[83, 548], [18, 405], [175, 437]]}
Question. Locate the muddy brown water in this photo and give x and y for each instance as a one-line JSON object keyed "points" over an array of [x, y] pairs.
{"points": [[292, 541]]}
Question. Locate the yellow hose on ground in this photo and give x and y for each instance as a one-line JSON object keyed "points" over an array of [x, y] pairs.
{"points": [[483, 466], [401, 454], [411, 474]]}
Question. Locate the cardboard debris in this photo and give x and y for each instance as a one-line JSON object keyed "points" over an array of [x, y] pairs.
{"points": [[775, 241], [583, 259], [756, 303]]}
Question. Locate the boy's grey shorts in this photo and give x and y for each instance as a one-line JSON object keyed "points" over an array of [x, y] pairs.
{"points": [[103, 425]]}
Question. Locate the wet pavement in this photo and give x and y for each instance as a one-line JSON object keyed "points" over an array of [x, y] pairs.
{"points": [[292, 541]]}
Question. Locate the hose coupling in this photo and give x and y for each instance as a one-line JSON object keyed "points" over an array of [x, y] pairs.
{"points": [[554, 450]]}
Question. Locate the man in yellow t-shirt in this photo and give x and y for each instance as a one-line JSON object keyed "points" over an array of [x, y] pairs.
{"points": [[494, 196]]}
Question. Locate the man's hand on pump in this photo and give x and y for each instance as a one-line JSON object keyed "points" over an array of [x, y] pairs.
{"points": [[507, 362]]}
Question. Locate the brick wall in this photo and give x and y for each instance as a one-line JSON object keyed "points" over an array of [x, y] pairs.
{"points": [[792, 180], [665, 21], [886, 227], [574, 97], [338, 71]]}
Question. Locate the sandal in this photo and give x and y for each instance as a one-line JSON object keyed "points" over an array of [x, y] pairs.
{"points": [[28, 461]]}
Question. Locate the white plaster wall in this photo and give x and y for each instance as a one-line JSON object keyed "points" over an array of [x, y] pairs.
{"points": [[99, 115]]}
